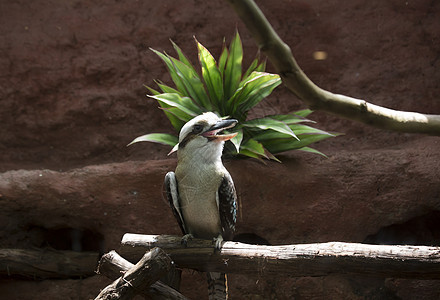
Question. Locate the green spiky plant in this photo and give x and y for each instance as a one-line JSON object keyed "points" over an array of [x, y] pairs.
{"points": [[223, 88]]}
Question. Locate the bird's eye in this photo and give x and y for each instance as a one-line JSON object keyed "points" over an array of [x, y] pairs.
{"points": [[197, 128]]}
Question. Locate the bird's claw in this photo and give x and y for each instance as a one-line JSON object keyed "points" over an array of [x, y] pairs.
{"points": [[186, 238], [218, 243]]}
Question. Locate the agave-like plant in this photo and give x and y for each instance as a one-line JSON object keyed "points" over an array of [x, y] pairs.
{"points": [[223, 88]]}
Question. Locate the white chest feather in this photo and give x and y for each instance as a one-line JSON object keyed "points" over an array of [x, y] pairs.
{"points": [[198, 184]]}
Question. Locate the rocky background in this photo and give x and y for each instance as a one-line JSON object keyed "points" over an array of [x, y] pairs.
{"points": [[72, 97]]}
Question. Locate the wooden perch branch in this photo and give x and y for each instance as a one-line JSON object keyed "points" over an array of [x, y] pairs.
{"points": [[316, 98], [319, 259], [112, 265], [47, 263], [148, 270]]}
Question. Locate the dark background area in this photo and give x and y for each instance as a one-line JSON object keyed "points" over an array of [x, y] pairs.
{"points": [[72, 97]]}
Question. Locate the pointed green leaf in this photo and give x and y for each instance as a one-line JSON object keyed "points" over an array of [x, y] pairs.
{"points": [[249, 79], [175, 122], [186, 79], [232, 73], [301, 129], [311, 150], [251, 68], [269, 123], [266, 135], [236, 141], [174, 76], [250, 154], [211, 75], [152, 91], [193, 86], [303, 113], [162, 138], [223, 58], [290, 119], [167, 89], [181, 116], [185, 104], [254, 147], [257, 86], [281, 145], [182, 56], [263, 88], [261, 67], [272, 157]]}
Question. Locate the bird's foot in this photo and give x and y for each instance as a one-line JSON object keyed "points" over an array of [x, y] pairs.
{"points": [[218, 242], [186, 238]]}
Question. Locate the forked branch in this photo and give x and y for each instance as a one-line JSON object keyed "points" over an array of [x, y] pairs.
{"points": [[112, 265], [317, 98], [138, 279]]}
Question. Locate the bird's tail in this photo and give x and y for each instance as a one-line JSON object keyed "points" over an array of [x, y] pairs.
{"points": [[217, 286]]}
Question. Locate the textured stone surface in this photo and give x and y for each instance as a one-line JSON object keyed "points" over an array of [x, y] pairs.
{"points": [[347, 197], [72, 97]]}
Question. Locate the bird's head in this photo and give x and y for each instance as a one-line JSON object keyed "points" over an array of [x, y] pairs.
{"points": [[202, 136]]}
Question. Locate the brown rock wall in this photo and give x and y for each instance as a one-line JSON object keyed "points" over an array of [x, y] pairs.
{"points": [[72, 97]]}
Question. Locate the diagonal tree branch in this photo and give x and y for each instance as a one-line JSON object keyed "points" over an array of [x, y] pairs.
{"points": [[138, 279], [316, 98], [112, 265]]}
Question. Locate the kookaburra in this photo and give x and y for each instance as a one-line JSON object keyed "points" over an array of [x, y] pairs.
{"points": [[201, 192]]}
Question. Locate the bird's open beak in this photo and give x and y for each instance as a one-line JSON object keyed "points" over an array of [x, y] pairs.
{"points": [[213, 132]]}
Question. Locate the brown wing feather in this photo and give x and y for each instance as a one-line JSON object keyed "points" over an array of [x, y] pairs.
{"points": [[227, 207]]}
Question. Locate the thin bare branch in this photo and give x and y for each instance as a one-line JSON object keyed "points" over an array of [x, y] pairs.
{"points": [[317, 98]]}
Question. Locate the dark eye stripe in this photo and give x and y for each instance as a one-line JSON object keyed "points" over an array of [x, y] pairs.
{"points": [[193, 133], [188, 138]]}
